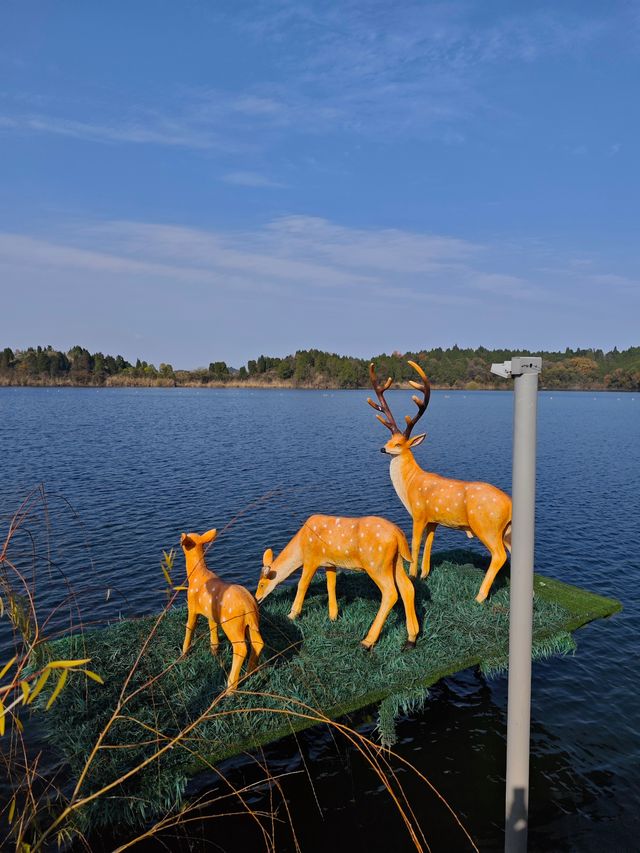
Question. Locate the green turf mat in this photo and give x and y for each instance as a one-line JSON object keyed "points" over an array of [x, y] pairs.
{"points": [[312, 661]]}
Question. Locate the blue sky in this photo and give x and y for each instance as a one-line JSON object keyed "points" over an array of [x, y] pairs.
{"points": [[193, 181]]}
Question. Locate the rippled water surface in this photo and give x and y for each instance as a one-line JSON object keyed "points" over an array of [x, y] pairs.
{"points": [[127, 470]]}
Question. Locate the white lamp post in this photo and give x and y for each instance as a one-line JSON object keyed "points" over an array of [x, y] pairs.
{"points": [[524, 370]]}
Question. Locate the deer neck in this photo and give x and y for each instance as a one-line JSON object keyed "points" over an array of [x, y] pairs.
{"points": [[404, 469], [287, 561], [197, 567]]}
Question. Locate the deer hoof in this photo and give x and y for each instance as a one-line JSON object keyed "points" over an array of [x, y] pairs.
{"points": [[215, 651], [409, 644], [293, 616], [366, 647]]}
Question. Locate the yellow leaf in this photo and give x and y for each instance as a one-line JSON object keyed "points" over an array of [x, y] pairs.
{"points": [[40, 683], [1, 718], [12, 810], [1, 608], [93, 675], [180, 588], [166, 575], [58, 688], [66, 664], [5, 669], [16, 721], [25, 691]]}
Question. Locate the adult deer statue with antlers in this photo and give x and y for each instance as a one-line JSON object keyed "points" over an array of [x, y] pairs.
{"points": [[369, 544], [480, 509], [225, 605]]}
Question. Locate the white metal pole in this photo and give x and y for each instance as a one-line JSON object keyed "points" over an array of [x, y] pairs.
{"points": [[525, 374]]}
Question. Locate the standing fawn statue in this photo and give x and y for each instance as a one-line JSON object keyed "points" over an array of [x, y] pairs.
{"points": [[370, 544], [480, 509], [230, 606]]}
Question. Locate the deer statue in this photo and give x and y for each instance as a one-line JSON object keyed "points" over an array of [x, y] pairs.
{"points": [[225, 605], [370, 544], [479, 509]]}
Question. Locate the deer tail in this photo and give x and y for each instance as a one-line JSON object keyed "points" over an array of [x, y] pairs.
{"points": [[403, 547], [506, 536], [253, 629]]}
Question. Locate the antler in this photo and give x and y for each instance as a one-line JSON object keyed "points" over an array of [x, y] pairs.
{"points": [[388, 421], [421, 404]]}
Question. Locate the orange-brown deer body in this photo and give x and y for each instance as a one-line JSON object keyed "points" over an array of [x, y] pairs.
{"points": [[370, 544], [229, 606], [479, 509]]}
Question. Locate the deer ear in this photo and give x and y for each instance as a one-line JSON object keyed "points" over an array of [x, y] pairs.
{"points": [[209, 536], [267, 558], [187, 542], [417, 439]]}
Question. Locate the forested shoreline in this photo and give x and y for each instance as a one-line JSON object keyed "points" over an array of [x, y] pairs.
{"points": [[451, 368]]}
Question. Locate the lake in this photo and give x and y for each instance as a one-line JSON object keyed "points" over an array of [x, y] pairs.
{"points": [[127, 470]]}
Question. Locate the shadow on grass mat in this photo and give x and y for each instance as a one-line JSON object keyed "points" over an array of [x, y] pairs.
{"points": [[312, 662]]}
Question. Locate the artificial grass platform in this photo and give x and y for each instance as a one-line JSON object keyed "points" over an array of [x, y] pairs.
{"points": [[311, 661]]}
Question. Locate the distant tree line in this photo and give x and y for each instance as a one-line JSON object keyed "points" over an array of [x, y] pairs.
{"points": [[453, 367]]}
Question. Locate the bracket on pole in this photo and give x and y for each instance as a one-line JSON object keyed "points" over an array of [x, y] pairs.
{"points": [[517, 366]]}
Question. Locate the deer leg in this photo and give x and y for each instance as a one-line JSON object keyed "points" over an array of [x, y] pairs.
{"points": [[407, 593], [191, 624], [426, 556], [235, 631], [239, 654], [308, 571], [498, 559], [387, 587], [213, 631], [331, 592], [418, 530]]}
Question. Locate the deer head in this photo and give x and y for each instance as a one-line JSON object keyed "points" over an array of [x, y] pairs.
{"points": [[266, 575], [193, 547], [400, 441]]}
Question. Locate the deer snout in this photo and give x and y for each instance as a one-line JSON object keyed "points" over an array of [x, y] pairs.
{"points": [[382, 450]]}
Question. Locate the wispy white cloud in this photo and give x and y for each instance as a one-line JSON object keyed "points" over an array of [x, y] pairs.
{"points": [[302, 257], [154, 130], [298, 281], [251, 179], [410, 68], [406, 66]]}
